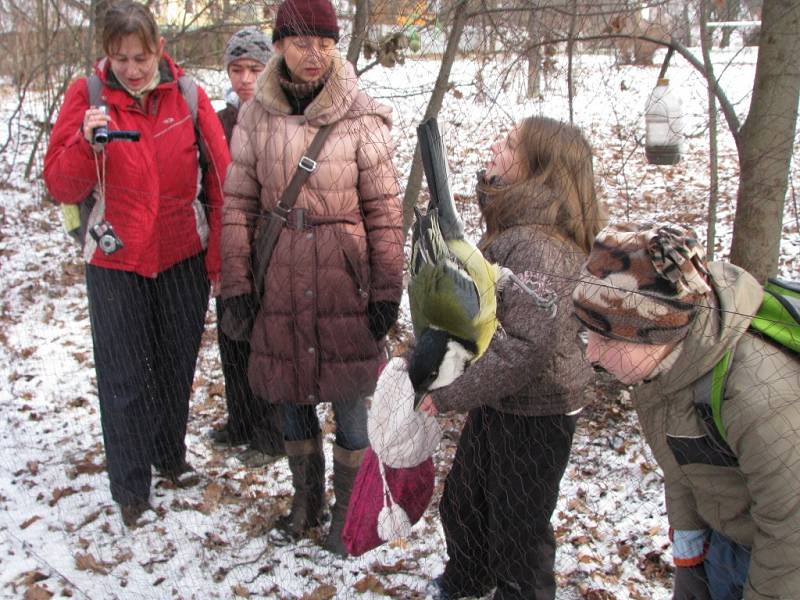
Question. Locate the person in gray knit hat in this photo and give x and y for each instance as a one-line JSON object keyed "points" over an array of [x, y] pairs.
{"points": [[251, 420], [248, 43], [246, 55], [662, 319]]}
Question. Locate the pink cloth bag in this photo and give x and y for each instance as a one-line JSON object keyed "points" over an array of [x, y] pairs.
{"points": [[409, 488]]}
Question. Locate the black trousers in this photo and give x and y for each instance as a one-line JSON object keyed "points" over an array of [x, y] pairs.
{"points": [[249, 417], [497, 502], [146, 334]]}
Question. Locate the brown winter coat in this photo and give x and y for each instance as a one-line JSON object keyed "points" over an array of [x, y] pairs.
{"points": [[755, 503], [311, 342], [534, 365]]}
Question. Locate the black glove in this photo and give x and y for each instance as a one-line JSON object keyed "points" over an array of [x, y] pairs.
{"points": [[238, 314], [690, 583], [381, 315]]}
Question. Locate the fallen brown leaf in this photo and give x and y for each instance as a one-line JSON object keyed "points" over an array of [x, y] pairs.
{"points": [[37, 592], [211, 497], [87, 467], [323, 592], [60, 493], [28, 522], [370, 583], [87, 562], [32, 577]]}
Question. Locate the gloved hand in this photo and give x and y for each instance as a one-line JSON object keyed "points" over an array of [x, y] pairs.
{"points": [[690, 583], [238, 314], [381, 315]]}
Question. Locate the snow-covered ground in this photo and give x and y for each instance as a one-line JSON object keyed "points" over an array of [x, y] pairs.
{"points": [[60, 532]]}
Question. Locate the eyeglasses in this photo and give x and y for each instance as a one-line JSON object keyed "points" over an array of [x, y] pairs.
{"points": [[304, 43]]}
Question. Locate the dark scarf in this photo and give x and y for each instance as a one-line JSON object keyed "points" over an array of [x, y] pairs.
{"points": [[300, 95]]}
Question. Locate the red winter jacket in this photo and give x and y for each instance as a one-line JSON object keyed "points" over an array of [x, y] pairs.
{"points": [[151, 185]]}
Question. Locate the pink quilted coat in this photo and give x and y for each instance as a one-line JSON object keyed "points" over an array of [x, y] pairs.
{"points": [[310, 342]]}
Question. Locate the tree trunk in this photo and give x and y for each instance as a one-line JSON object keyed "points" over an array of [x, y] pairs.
{"points": [[730, 12], [570, 54], [686, 25], [767, 137], [360, 20], [713, 191], [534, 55], [98, 9], [434, 106]]}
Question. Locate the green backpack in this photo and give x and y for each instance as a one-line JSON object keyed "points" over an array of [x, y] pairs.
{"points": [[777, 319]]}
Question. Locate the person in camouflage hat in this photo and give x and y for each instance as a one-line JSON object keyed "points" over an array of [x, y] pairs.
{"points": [[642, 285], [660, 318]]}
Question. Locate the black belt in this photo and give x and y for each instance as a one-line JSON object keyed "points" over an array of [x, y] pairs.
{"points": [[299, 218]]}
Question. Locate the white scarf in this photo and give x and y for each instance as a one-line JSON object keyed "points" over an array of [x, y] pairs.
{"points": [[149, 87]]}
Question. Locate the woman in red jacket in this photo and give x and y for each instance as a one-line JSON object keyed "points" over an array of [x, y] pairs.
{"points": [[152, 244]]}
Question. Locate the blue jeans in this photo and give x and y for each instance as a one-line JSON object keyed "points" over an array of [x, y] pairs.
{"points": [[300, 422], [727, 564]]}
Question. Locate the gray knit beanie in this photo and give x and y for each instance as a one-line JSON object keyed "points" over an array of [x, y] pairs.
{"points": [[248, 43]]}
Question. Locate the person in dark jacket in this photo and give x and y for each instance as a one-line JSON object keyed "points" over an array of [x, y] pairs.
{"points": [[660, 318], [523, 394], [251, 420], [152, 250]]}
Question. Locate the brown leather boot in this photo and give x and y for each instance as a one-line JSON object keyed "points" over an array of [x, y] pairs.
{"points": [[307, 464], [345, 469]]}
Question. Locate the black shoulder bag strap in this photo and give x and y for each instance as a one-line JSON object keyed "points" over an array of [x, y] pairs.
{"points": [[267, 236]]}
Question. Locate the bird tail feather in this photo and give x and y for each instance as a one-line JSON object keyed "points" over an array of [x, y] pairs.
{"points": [[435, 167]]}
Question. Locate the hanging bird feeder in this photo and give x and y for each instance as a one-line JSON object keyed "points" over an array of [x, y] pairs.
{"points": [[664, 122]]}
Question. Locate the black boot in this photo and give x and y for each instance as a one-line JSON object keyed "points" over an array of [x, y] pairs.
{"points": [[182, 475], [132, 512], [228, 436], [307, 464], [345, 469]]}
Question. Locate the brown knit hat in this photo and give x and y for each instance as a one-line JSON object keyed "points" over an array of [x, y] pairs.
{"points": [[305, 17], [642, 283]]}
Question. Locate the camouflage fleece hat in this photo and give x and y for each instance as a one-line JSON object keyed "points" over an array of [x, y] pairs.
{"points": [[642, 283]]}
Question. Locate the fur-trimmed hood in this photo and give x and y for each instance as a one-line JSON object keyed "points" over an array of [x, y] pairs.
{"points": [[339, 97]]}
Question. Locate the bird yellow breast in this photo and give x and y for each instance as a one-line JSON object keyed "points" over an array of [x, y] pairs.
{"points": [[485, 275]]}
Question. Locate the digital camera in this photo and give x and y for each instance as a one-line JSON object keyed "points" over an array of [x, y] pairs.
{"points": [[100, 134], [105, 236]]}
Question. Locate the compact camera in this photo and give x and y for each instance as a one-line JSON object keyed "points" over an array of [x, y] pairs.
{"points": [[106, 238]]}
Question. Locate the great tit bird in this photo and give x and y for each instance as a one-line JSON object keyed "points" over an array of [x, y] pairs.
{"points": [[452, 289]]}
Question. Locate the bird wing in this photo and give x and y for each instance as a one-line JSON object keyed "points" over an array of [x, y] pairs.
{"points": [[444, 295], [435, 167], [427, 244], [484, 275]]}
